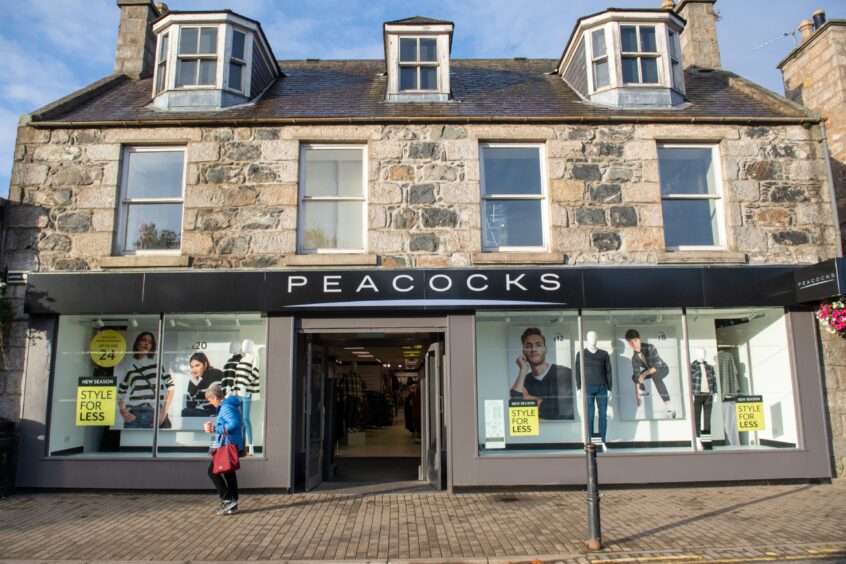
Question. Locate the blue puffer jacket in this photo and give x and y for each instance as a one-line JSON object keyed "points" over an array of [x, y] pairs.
{"points": [[229, 418]]}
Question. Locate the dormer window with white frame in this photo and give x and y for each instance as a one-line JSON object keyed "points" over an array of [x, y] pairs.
{"points": [[418, 64], [417, 60], [210, 61], [626, 59]]}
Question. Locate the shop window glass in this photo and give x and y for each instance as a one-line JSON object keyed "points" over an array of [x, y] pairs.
{"points": [[525, 382], [118, 380], [647, 408], [198, 350], [741, 379], [106, 387]]}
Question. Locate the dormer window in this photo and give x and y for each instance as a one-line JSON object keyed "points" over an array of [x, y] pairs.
{"points": [[210, 61], [639, 57], [601, 77], [197, 63], [417, 60], [626, 59], [237, 61]]}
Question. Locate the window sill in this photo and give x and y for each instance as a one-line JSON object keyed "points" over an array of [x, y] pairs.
{"points": [[332, 259], [145, 261], [518, 257], [698, 257]]}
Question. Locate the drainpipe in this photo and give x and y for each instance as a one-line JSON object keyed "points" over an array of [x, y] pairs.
{"points": [[831, 190]]}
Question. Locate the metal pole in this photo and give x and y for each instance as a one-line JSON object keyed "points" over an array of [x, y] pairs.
{"points": [[594, 541]]}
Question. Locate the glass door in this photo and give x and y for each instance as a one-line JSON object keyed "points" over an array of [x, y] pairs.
{"points": [[433, 408], [314, 415]]}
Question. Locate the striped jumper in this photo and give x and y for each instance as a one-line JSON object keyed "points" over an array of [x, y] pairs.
{"points": [[139, 385], [241, 375]]}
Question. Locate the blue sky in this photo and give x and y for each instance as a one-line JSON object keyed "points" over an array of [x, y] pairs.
{"points": [[53, 47]]}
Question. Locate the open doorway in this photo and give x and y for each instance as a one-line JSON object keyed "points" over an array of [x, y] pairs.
{"points": [[370, 410]]}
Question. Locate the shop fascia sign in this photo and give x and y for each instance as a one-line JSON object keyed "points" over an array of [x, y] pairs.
{"points": [[415, 288], [820, 281]]}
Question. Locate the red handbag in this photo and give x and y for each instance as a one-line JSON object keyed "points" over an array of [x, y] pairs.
{"points": [[225, 458]]}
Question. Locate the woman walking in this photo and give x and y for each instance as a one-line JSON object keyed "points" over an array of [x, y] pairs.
{"points": [[227, 430]]}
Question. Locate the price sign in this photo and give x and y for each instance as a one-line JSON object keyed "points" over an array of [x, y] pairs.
{"points": [[107, 348]]}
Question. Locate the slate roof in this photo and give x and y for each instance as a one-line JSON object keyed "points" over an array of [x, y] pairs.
{"points": [[497, 90], [419, 20]]}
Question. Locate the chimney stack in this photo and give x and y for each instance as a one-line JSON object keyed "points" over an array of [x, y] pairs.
{"points": [[819, 19], [699, 38], [806, 28], [136, 43]]}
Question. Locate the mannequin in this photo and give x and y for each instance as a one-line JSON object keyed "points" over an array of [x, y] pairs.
{"points": [[598, 380], [703, 380], [241, 378]]}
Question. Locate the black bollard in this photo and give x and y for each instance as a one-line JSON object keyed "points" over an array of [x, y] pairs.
{"points": [[594, 541]]}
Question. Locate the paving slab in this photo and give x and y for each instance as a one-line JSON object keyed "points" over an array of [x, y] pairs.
{"points": [[732, 523]]}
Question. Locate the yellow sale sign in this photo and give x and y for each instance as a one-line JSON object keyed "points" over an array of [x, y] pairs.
{"points": [[750, 413], [523, 418], [95, 401]]}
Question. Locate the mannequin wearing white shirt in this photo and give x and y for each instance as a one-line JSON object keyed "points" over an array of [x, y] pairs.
{"points": [[598, 382]]}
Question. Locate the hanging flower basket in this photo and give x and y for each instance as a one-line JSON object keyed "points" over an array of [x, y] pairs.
{"points": [[832, 317]]}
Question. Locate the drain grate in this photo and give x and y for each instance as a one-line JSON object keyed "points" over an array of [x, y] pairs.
{"points": [[508, 499]]}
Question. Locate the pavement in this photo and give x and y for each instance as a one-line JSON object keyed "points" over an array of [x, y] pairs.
{"points": [[732, 523]]}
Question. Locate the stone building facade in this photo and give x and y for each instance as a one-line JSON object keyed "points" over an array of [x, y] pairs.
{"points": [[814, 76], [424, 195]]}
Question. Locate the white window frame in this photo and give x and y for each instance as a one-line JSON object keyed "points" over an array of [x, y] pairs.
{"points": [[216, 56], [302, 198], [162, 48], [246, 63], [418, 64], [657, 55], [719, 205], [543, 196], [676, 71], [593, 59], [124, 203]]}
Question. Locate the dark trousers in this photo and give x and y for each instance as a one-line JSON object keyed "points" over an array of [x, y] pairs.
{"points": [[226, 484], [658, 381], [598, 395], [701, 401]]}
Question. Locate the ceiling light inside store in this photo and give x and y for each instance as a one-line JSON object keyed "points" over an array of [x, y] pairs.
{"points": [[134, 323], [172, 323], [99, 322]]}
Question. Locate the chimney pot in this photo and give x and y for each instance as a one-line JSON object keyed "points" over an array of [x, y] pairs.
{"points": [[819, 19], [806, 28], [668, 5]]}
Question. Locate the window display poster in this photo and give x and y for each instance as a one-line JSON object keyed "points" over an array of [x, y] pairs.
{"points": [[494, 424], [659, 395], [528, 367], [750, 413], [107, 348], [96, 401], [195, 359]]}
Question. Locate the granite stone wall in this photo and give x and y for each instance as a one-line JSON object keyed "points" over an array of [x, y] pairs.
{"points": [[240, 203]]}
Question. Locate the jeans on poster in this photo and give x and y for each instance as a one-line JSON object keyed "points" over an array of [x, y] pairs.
{"points": [[143, 417]]}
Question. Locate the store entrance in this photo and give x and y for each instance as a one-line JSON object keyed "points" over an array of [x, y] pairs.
{"points": [[370, 410]]}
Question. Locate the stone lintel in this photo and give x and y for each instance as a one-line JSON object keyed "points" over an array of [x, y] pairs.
{"points": [[518, 258], [701, 257], [332, 259], [145, 261]]}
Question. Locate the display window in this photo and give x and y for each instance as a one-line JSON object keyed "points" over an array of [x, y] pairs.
{"points": [[134, 385], [645, 407], [640, 380], [525, 381], [742, 385]]}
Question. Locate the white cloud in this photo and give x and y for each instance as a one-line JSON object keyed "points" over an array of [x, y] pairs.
{"points": [[30, 78]]}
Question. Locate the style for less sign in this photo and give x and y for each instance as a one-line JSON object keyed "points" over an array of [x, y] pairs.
{"points": [[95, 401], [750, 413], [523, 418]]}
